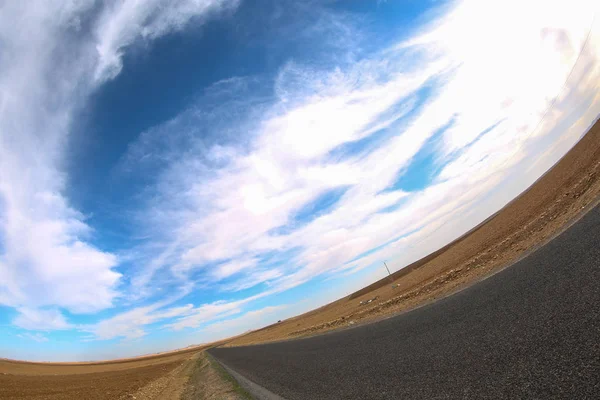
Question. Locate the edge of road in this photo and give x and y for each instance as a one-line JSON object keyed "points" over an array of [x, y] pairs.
{"points": [[260, 393], [256, 391]]}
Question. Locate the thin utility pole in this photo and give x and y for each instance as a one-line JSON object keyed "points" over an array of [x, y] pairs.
{"points": [[389, 273]]}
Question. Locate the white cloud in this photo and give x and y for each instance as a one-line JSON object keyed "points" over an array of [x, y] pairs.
{"points": [[40, 319], [487, 78], [206, 313], [53, 55], [130, 324], [45, 258], [223, 208], [233, 267], [122, 23], [35, 337], [250, 320]]}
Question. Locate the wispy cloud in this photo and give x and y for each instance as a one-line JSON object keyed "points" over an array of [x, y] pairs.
{"points": [[131, 324], [245, 322], [123, 23], [493, 86], [269, 181], [54, 54], [134, 323], [36, 337], [41, 319]]}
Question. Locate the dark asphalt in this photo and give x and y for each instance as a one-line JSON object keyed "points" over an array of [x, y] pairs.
{"points": [[530, 331]]}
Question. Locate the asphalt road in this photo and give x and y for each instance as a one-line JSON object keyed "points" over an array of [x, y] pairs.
{"points": [[530, 331]]}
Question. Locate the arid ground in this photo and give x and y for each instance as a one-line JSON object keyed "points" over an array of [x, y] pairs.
{"points": [[162, 376], [540, 213]]}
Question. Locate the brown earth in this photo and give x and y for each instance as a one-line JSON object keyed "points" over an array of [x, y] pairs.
{"points": [[544, 210], [15, 367], [183, 374], [209, 381], [162, 376]]}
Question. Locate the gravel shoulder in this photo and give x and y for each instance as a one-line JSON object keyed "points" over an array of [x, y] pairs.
{"points": [[209, 381]]}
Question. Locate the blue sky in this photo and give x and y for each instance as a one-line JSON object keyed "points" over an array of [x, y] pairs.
{"points": [[172, 173]]}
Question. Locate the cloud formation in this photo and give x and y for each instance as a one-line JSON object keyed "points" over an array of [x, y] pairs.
{"points": [[36, 337], [44, 320], [473, 94], [332, 162], [123, 23], [54, 54]]}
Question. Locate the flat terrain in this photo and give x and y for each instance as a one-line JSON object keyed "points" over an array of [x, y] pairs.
{"points": [[186, 374], [530, 331], [158, 376], [529, 221], [74, 368]]}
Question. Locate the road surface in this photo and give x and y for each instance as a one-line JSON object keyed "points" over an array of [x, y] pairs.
{"points": [[530, 331]]}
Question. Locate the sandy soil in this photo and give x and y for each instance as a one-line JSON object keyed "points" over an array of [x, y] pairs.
{"points": [[185, 374], [544, 210], [120, 384], [14, 367], [162, 376]]}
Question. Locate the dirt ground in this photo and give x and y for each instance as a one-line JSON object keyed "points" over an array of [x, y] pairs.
{"points": [[161, 376], [553, 202], [540, 213], [184, 374], [209, 381], [14, 367]]}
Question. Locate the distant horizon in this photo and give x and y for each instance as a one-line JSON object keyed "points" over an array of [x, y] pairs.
{"points": [[184, 172], [108, 361]]}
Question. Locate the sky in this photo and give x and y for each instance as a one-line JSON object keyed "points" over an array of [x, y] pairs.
{"points": [[176, 172]]}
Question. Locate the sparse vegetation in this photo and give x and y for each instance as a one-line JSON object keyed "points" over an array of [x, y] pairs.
{"points": [[208, 380]]}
